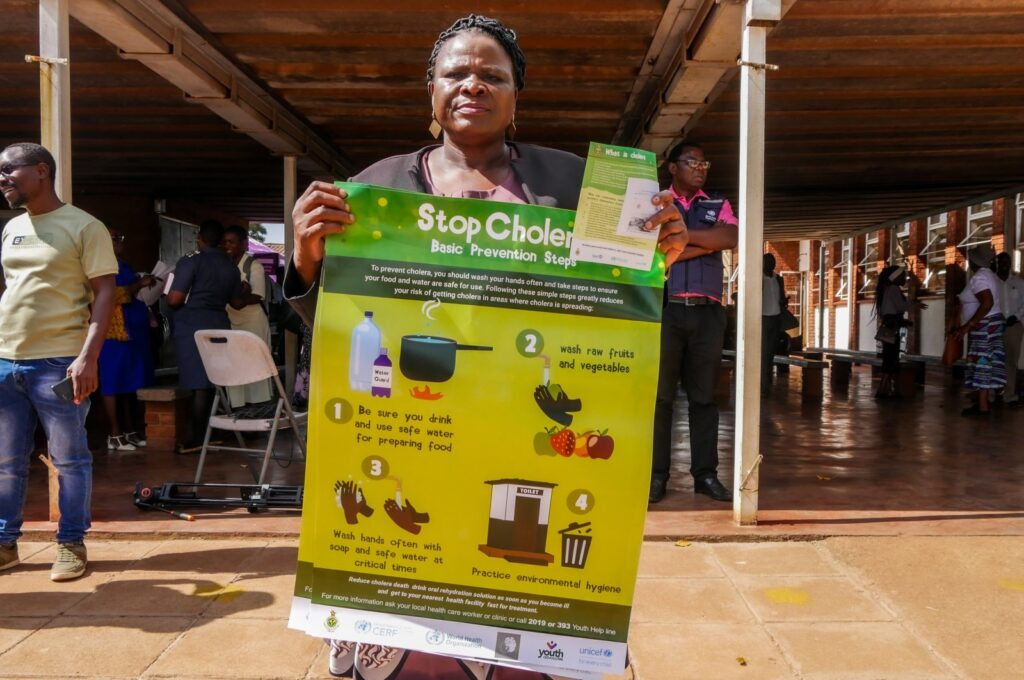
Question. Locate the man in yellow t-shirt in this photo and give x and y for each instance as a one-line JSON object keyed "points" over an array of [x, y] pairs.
{"points": [[59, 270]]}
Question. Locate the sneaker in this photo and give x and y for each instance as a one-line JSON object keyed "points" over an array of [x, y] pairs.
{"points": [[119, 442], [70, 562], [9, 556], [340, 661], [135, 440]]}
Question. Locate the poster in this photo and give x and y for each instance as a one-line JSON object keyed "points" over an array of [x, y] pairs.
{"points": [[479, 436]]}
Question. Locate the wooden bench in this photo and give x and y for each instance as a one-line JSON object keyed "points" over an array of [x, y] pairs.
{"points": [[842, 366], [921, 362], [842, 362], [812, 369]]}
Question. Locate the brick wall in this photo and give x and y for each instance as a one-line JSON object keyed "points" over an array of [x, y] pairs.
{"points": [[999, 215]]}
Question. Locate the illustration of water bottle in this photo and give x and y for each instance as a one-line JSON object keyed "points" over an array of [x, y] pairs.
{"points": [[364, 351], [382, 375]]}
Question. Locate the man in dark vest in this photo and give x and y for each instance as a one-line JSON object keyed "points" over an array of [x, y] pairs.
{"points": [[693, 325]]}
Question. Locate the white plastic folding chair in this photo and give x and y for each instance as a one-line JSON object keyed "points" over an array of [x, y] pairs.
{"points": [[238, 358]]}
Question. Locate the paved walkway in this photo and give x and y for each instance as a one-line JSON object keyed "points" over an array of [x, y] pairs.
{"points": [[904, 560], [846, 607]]}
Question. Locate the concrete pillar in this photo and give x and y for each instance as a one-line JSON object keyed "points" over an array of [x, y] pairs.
{"points": [[291, 342], [822, 292], [852, 267], [759, 15], [55, 90]]}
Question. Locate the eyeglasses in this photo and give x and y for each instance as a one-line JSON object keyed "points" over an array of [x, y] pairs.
{"points": [[7, 169], [694, 164], [119, 238]]}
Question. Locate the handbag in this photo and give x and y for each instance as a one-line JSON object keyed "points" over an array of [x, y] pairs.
{"points": [[788, 321], [887, 334], [953, 350]]}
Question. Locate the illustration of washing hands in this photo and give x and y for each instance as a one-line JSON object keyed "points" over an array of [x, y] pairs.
{"points": [[405, 516], [351, 500]]}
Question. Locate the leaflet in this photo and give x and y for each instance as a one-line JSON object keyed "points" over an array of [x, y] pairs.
{"points": [[615, 202]]}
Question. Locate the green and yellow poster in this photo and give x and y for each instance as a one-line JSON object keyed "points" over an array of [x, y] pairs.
{"points": [[480, 435]]}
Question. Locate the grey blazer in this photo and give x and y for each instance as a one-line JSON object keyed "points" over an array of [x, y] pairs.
{"points": [[549, 177]]}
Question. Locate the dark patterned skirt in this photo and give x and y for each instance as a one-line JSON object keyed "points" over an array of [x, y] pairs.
{"points": [[986, 355]]}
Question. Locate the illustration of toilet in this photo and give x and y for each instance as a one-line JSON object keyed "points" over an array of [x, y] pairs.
{"points": [[518, 527]]}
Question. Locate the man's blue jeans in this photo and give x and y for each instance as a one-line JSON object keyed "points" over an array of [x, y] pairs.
{"points": [[25, 396]]}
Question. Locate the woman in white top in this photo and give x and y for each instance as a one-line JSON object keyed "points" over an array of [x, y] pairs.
{"points": [[250, 318], [981, 320], [891, 306]]}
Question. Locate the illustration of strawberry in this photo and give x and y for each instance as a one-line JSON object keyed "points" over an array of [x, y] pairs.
{"points": [[564, 442]]}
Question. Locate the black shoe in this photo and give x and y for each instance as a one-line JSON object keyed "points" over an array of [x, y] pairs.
{"points": [[973, 411], [657, 489], [710, 486]]}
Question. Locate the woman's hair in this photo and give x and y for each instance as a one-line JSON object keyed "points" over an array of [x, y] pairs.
{"points": [[883, 285], [505, 36]]}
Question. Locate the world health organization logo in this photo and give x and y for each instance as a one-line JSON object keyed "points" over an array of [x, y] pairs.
{"points": [[435, 637]]}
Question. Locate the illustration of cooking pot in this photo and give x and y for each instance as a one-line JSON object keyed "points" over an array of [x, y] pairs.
{"points": [[429, 358]]}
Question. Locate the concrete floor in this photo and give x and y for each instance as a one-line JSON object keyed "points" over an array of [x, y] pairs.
{"points": [[845, 465], [889, 546], [901, 608]]}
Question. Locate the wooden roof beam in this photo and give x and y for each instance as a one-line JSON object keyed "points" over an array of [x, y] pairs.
{"points": [[695, 62], [149, 32]]}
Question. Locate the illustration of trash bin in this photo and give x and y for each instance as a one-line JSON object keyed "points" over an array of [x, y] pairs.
{"points": [[576, 541]]}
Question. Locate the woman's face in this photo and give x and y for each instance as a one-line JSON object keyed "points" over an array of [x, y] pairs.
{"points": [[118, 240], [232, 245], [473, 92]]}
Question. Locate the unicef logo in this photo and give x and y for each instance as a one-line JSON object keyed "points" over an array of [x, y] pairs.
{"points": [[435, 637], [363, 626], [596, 651]]}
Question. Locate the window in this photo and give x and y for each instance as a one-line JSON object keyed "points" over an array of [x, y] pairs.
{"points": [[843, 266], [869, 263], [979, 226], [825, 256], [900, 244], [934, 254], [177, 239], [793, 289], [1020, 221]]}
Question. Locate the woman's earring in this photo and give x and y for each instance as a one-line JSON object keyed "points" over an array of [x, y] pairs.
{"points": [[435, 127], [510, 131]]}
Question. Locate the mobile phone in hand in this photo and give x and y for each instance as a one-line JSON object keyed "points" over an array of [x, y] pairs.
{"points": [[65, 389]]}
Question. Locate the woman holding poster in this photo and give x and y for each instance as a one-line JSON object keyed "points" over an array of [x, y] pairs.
{"points": [[474, 75]]}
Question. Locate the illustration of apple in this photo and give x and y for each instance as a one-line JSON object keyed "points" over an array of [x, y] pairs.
{"points": [[542, 443], [599, 445], [564, 442]]}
